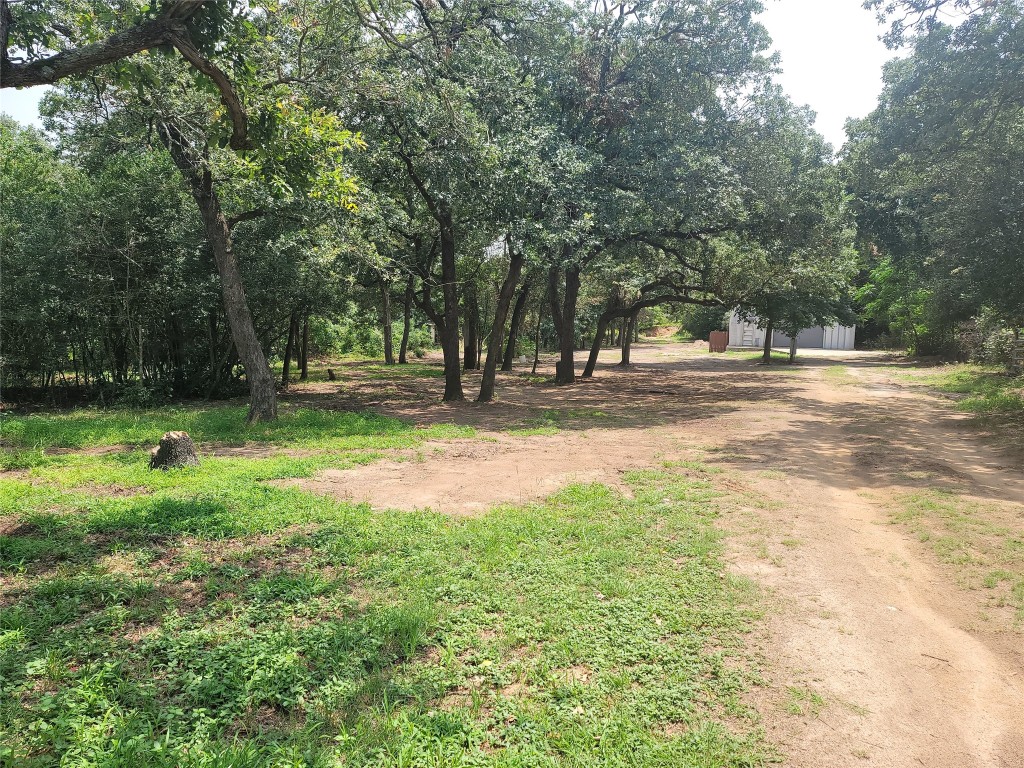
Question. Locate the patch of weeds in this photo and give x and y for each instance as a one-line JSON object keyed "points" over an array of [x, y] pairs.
{"points": [[533, 378], [698, 467], [298, 428], [804, 702], [407, 371], [981, 390], [535, 431], [979, 541], [840, 376], [550, 421]]}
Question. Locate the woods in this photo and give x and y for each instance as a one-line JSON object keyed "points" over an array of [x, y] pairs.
{"points": [[936, 173], [366, 397], [343, 161]]}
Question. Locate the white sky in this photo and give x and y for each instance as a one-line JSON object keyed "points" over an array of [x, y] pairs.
{"points": [[22, 104], [831, 60]]}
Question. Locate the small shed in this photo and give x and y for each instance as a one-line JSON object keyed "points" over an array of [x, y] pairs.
{"points": [[744, 334]]}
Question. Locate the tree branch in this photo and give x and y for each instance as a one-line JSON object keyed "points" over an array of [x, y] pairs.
{"points": [[79, 61], [238, 218], [228, 96]]}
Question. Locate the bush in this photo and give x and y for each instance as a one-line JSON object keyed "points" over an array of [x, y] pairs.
{"points": [[345, 336], [420, 338], [699, 322], [985, 339]]}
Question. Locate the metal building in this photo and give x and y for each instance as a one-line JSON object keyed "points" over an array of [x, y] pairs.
{"points": [[745, 334]]}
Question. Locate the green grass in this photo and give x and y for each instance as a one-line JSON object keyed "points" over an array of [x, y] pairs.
{"points": [[804, 702], [208, 617], [300, 428], [980, 541], [986, 390], [409, 370]]}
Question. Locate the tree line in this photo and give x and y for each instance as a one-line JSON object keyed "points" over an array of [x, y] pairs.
{"points": [[936, 174], [223, 184]]}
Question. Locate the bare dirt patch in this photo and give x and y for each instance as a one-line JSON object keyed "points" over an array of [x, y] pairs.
{"points": [[467, 477]]}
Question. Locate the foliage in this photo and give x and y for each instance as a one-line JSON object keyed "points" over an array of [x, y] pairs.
{"points": [[699, 322], [935, 171]]}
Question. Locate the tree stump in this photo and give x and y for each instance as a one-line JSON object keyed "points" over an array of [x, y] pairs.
{"points": [[176, 449]]}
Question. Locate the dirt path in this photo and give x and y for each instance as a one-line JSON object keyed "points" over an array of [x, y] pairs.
{"points": [[874, 655], [911, 669]]}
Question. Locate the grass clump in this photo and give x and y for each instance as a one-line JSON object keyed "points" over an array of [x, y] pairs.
{"points": [[980, 541]]}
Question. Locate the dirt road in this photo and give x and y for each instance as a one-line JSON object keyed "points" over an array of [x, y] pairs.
{"points": [[875, 652]]}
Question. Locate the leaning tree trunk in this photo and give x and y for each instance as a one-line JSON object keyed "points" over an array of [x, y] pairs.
{"points": [[262, 389], [766, 358], [565, 372], [389, 341], [515, 327], [472, 326], [304, 350], [536, 339], [289, 347], [508, 287], [403, 350], [450, 328], [627, 339], [600, 336]]}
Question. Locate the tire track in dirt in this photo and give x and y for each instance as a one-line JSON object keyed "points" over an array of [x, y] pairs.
{"points": [[866, 619]]}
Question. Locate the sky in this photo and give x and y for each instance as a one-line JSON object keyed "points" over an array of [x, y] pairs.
{"points": [[831, 60]]}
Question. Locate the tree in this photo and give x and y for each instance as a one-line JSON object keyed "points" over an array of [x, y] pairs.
{"points": [[626, 174], [192, 127], [934, 171]]}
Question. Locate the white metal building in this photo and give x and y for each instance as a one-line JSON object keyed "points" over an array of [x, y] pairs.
{"points": [[746, 335]]}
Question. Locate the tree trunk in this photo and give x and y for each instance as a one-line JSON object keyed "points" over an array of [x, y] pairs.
{"points": [[600, 336], [450, 330], [565, 372], [389, 342], [769, 331], [515, 327], [471, 324], [262, 392], [304, 350], [293, 332], [792, 349], [403, 350], [176, 450], [508, 287], [536, 339], [627, 339]]}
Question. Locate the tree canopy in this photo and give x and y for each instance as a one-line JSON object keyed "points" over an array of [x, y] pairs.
{"points": [[253, 181]]}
